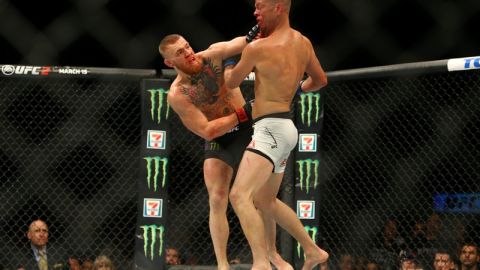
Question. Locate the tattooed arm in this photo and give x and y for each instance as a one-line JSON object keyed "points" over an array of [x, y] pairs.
{"points": [[227, 49], [195, 120]]}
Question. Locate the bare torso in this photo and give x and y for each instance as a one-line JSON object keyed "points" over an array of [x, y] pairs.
{"points": [[281, 63], [207, 91]]}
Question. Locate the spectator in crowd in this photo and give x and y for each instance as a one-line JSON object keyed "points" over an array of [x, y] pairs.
{"points": [[87, 264], [189, 259], [74, 263], [372, 265], [443, 261], [388, 245], [360, 263], [172, 256], [36, 255], [457, 233], [417, 239], [103, 262], [433, 241], [408, 262], [469, 257], [345, 262]]}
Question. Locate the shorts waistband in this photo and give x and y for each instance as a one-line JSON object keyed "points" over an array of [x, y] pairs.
{"points": [[284, 115]]}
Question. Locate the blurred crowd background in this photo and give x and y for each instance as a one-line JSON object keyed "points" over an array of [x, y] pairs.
{"points": [[346, 34]]}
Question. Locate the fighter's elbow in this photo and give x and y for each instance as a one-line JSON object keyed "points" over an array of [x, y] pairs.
{"points": [[209, 134], [321, 82], [318, 84], [324, 82], [206, 135]]}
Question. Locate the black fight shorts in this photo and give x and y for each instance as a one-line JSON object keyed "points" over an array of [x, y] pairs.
{"points": [[230, 147]]}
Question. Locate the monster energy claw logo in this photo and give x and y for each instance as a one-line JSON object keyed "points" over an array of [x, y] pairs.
{"points": [[305, 173], [157, 101], [153, 170], [307, 102], [152, 233], [312, 232], [214, 146]]}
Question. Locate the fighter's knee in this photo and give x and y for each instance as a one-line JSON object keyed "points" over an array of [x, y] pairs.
{"points": [[218, 197], [235, 197]]}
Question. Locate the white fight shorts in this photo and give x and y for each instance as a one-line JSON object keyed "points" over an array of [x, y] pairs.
{"points": [[274, 137]]}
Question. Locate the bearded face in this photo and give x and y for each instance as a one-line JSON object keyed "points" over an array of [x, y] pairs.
{"points": [[191, 65]]}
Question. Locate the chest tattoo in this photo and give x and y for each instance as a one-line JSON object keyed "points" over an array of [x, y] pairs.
{"points": [[204, 89]]}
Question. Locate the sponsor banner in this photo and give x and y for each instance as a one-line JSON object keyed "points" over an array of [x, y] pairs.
{"points": [[307, 174], [457, 203], [306, 209], [156, 169], [152, 200], [159, 107], [152, 208], [467, 63], [9, 70], [307, 142], [310, 108], [152, 236], [156, 139]]}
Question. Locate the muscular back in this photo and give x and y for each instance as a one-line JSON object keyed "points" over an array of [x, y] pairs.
{"points": [[281, 60]]}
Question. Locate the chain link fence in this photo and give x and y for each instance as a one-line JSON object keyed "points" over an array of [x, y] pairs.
{"points": [[400, 168], [67, 156], [390, 147]]}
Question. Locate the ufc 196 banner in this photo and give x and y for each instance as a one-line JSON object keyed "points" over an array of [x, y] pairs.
{"points": [[151, 228], [309, 119]]}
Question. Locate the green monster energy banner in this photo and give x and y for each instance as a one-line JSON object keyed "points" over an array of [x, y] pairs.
{"points": [[150, 233], [309, 119], [153, 241]]}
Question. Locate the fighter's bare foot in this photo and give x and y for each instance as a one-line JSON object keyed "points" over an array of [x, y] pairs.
{"points": [[279, 262], [315, 258]]}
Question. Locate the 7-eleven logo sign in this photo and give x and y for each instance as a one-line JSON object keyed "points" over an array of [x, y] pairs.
{"points": [[306, 209], [307, 143], [156, 139], [152, 207]]}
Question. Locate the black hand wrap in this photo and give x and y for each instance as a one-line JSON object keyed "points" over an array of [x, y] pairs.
{"points": [[252, 33], [299, 89], [244, 114], [231, 61]]}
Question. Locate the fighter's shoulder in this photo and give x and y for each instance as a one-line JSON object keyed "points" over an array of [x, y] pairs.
{"points": [[256, 46], [212, 53], [305, 39], [175, 93], [214, 49]]}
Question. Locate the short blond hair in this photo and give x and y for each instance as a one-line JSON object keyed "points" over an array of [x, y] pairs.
{"points": [[286, 3], [167, 41]]}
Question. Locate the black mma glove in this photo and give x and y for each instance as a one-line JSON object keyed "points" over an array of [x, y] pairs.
{"points": [[231, 61], [244, 114], [252, 33]]}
